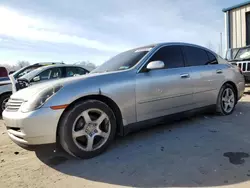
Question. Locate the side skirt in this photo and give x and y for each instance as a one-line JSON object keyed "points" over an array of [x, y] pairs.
{"points": [[166, 119]]}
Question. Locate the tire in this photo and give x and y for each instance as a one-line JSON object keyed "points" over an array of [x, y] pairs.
{"points": [[3, 99], [75, 118], [220, 106]]}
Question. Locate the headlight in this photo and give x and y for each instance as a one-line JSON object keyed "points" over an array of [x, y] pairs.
{"points": [[39, 100]]}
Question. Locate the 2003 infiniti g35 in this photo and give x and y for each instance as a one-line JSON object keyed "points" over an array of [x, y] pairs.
{"points": [[83, 114]]}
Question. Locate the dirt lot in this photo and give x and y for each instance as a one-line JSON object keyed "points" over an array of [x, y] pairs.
{"points": [[203, 151]]}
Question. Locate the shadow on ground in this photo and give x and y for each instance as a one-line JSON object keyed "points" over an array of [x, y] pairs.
{"points": [[208, 150]]}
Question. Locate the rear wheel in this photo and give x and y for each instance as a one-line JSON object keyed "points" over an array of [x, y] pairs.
{"points": [[3, 100], [226, 100], [87, 129]]}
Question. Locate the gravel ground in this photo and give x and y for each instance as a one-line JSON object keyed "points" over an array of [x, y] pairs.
{"points": [[203, 151]]}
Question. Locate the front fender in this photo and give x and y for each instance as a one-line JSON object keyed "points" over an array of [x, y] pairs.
{"points": [[119, 87]]}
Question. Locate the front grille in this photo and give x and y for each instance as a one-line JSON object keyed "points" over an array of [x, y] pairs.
{"points": [[244, 66], [13, 104]]}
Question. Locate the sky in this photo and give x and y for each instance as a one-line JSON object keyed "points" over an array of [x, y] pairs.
{"points": [[95, 30]]}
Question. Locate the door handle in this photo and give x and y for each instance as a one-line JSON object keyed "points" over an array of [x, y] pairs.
{"points": [[219, 71], [184, 75]]}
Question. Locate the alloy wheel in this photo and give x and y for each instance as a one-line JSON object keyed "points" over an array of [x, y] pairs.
{"points": [[4, 103], [91, 129], [228, 100]]}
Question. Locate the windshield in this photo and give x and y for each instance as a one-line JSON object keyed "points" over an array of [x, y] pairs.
{"points": [[31, 74], [24, 71], [243, 54], [231, 53], [123, 61]]}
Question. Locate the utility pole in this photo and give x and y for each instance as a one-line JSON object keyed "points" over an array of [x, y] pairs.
{"points": [[221, 53]]}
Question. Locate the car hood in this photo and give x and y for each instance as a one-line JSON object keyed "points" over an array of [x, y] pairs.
{"points": [[31, 91]]}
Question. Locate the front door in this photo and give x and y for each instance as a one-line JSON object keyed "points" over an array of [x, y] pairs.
{"points": [[164, 91]]}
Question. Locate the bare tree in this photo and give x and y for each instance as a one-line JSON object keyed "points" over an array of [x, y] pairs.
{"points": [[87, 64], [22, 64]]}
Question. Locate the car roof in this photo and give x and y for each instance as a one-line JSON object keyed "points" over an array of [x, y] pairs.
{"points": [[171, 43], [60, 65], [49, 63], [176, 43]]}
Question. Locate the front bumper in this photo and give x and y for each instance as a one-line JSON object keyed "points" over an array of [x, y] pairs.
{"points": [[32, 128]]}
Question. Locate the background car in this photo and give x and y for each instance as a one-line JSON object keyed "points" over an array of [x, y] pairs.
{"points": [[27, 69], [241, 58], [135, 89], [3, 72], [7, 87], [47, 73], [5, 82]]}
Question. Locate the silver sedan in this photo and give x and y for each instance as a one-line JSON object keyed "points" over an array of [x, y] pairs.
{"points": [[136, 88]]}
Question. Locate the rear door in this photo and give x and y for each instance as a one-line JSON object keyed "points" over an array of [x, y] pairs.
{"points": [[206, 75], [164, 91]]}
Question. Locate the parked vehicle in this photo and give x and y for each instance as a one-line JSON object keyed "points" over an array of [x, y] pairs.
{"points": [[29, 68], [47, 73], [136, 88], [3, 72], [6, 88], [241, 58], [4, 81]]}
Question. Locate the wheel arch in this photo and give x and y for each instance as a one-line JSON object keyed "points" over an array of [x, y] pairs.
{"points": [[108, 101], [5, 93]]}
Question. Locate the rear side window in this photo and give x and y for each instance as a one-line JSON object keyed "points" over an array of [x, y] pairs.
{"points": [[170, 55], [195, 56], [212, 58], [74, 71]]}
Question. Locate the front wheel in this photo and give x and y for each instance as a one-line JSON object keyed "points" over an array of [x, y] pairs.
{"points": [[3, 101], [87, 129], [226, 100]]}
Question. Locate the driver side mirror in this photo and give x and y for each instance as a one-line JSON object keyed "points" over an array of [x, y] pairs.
{"points": [[36, 79], [155, 65]]}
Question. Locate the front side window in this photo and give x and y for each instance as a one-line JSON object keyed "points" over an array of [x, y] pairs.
{"points": [[74, 71], [124, 60], [170, 55], [48, 74], [195, 56]]}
